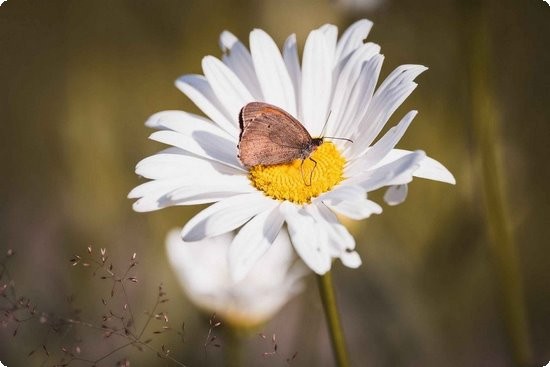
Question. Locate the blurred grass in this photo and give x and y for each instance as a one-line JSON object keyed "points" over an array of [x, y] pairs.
{"points": [[486, 127], [80, 78]]}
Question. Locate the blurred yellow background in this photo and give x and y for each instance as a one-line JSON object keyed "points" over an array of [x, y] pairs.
{"points": [[78, 80]]}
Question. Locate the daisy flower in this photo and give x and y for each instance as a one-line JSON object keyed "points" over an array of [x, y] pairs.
{"points": [[336, 79], [203, 272]]}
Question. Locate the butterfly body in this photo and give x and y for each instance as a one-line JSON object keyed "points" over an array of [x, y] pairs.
{"points": [[270, 135]]}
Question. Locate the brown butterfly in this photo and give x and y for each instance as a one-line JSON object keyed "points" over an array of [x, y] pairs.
{"points": [[270, 135]]}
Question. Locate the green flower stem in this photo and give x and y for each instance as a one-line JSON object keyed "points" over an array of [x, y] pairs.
{"points": [[486, 129], [233, 348], [326, 290]]}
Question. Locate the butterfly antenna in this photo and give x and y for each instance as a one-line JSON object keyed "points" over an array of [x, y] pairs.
{"points": [[326, 122], [333, 137]]}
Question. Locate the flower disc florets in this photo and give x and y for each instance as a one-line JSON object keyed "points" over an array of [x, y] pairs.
{"points": [[301, 180]]}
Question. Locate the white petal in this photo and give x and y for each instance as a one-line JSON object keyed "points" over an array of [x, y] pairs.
{"points": [[253, 241], [345, 84], [202, 143], [356, 210], [433, 170], [381, 148], [428, 168], [272, 73], [166, 165], [340, 238], [350, 201], [209, 140], [397, 172], [226, 215], [213, 188], [360, 98], [397, 194], [352, 38], [310, 244], [331, 35], [401, 75], [389, 96], [292, 62], [201, 266], [153, 194], [351, 259], [341, 242], [237, 58], [197, 89], [230, 91], [195, 188], [316, 81], [154, 121], [186, 123], [153, 187], [342, 193], [198, 196], [202, 137], [187, 195], [169, 164]]}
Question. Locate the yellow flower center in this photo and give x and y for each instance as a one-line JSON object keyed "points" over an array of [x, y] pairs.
{"points": [[300, 181]]}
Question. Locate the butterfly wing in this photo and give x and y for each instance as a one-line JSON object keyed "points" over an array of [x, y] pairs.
{"points": [[270, 135]]}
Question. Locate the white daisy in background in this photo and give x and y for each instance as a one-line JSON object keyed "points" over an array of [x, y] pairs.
{"points": [[203, 272], [336, 76]]}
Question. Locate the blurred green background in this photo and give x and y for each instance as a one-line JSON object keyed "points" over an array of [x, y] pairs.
{"points": [[80, 78]]}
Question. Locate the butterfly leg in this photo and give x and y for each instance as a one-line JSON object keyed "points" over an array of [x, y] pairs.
{"points": [[302, 172], [311, 174]]}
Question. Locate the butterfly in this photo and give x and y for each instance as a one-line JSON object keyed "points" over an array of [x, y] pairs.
{"points": [[269, 136]]}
